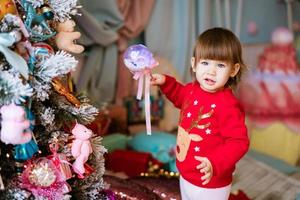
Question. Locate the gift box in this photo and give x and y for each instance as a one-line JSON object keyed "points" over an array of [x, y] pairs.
{"points": [[114, 141], [101, 123], [132, 163]]}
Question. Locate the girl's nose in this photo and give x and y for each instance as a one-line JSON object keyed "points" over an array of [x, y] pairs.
{"points": [[212, 70]]}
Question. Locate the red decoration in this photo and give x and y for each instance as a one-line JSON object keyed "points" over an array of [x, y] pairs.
{"points": [[100, 125], [132, 163]]}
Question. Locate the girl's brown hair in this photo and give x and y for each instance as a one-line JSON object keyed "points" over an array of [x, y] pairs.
{"points": [[220, 44]]}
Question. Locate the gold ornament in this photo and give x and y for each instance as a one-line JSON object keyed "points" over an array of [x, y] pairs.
{"points": [[61, 89], [7, 6], [42, 175], [155, 171]]}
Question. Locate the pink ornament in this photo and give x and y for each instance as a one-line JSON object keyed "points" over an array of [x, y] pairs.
{"points": [[81, 147], [44, 180], [14, 125], [282, 36], [252, 28], [139, 60]]}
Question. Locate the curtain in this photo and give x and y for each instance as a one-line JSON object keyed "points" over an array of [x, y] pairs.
{"points": [[99, 25], [173, 28], [136, 14], [106, 27]]}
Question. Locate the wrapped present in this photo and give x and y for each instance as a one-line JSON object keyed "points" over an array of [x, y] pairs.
{"points": [[100, 124], [114, 141], [131, 163]]}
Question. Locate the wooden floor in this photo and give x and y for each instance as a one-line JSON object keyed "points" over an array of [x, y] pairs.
{"points": [[261, 182]]}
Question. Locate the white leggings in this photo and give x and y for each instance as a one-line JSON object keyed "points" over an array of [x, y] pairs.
{"points": [[192, 192]]}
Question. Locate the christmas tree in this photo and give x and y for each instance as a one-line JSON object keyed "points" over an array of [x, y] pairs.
{"points": [[46, 150]]}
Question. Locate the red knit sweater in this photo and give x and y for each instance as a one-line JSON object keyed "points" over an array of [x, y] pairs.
{"points": [[211, 125]]}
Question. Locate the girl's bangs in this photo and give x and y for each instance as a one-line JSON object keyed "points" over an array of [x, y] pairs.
{"points": [[214, 51]]}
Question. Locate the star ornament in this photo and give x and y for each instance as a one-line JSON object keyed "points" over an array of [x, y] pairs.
{"points": [[213, 106], [197, 149]]}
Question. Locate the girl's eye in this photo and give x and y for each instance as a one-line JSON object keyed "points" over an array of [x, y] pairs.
{"points": [[221, 65], [204, 63]]}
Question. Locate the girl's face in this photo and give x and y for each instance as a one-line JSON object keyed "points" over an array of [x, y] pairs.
{"points": [[212, 75]]}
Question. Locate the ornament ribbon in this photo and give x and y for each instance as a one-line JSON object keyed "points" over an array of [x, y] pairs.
{"points": [[15, 60], [140, 76], [58, 162]]}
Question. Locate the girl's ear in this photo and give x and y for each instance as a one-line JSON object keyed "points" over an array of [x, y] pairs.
{"points": [[193, 64], [235, 70]]}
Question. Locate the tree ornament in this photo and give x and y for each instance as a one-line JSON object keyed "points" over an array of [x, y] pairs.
{"points": [[14, 124], [34, 18], [61, 89], [47, 12], [7, 6], [65, 37], [139, 60], [81, 147], [44, 180]]}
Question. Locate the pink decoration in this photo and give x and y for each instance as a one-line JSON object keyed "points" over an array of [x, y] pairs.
{"points": [[276, 82], [282, 36], [44, 180], [81, 147], [252, 28], [278, 58], [139, 60], [60, 162], [14, 125]]}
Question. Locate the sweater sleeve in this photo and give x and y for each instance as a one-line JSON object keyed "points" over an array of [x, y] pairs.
{"points": [[236, 141], [174, 91]]}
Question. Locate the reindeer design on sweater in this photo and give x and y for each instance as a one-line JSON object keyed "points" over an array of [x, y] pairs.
{"points": [[184, 136]]}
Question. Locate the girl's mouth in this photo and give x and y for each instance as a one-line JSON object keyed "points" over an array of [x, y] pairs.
{"points": [[209, 81]]}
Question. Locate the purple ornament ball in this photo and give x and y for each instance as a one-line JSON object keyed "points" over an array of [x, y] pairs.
{"points": [[138, 58]]}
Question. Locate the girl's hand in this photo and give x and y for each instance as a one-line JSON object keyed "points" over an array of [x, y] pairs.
{"points": [[157, 79], [206, 168]]}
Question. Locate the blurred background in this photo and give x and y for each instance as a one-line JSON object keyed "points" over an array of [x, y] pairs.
{"points": [[269, 31]]}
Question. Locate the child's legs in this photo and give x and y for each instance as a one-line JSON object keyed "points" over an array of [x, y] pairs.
{"points": [[192, 192]]}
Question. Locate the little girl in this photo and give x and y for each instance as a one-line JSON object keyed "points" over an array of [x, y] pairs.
{"points": [[212, 136]]}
